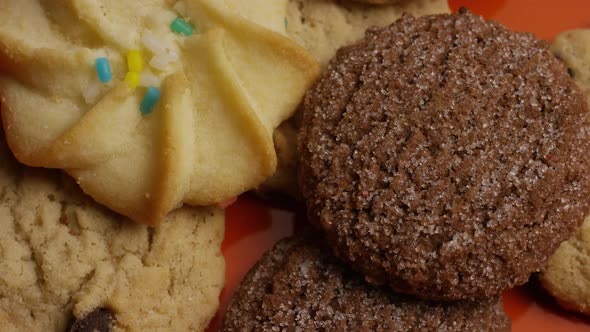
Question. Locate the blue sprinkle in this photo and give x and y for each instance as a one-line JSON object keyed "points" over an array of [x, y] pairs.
{"points": [[150, 99], [103, 69], [286, 22]]}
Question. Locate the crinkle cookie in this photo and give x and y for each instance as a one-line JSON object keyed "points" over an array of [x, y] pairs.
{"points": [[194, 90], [567, 274], [323, 26], [298, 286], [446, 156], [65, 260]]}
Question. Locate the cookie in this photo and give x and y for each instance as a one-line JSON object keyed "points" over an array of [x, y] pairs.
{"points": [[188, 110], [573, 48], [446, 156], [66, 260], [377, 2], [566, 276], [323, 26], [298, 286]]}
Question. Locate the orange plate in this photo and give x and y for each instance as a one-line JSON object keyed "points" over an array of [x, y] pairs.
{"points": [[253, 226]]}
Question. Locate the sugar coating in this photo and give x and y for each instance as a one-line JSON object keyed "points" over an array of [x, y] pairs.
{"points": [[446, 156], [297, 286]]}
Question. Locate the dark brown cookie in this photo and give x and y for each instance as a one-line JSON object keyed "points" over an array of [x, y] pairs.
{"points": [[446, 156], [298, 286]]}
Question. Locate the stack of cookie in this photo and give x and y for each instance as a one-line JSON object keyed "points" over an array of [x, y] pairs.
{"points": [[442, 160], [147, 105]]}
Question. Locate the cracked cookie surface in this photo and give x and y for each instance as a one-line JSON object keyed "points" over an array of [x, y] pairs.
{"points": [[62, 256]]}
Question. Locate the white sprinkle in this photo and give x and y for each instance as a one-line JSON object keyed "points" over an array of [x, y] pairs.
{"points": [[162, 61], [92, 92], [147, 78], [153, 44]]}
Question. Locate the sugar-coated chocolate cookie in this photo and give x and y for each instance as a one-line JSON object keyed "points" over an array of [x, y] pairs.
{"points": [[65, 260], [323, 26], [299, 286], [446, 156]]}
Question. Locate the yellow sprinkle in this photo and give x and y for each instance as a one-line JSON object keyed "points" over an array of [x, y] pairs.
{"points": [[132, 79], [134, 61]]}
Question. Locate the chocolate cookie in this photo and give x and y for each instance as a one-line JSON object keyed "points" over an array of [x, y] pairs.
{"points": [[322, 27], [446, 156], [298, 286]]}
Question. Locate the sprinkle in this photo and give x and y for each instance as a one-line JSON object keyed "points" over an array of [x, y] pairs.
{"points": [[286, 22], [150, 99], [147, 78], [153, 44], [92, 92], [181, 27], [161, 61], [103, 69], [132, 79], [134, 61]]}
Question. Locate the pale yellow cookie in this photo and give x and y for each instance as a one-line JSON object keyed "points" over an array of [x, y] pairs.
{"points": [[567, 275], [64, 256], [224, 89], [573, 47], [323, 26]]}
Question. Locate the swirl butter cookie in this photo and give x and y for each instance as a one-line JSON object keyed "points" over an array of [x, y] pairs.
{"points": [[298, 286], [150, 104], [66, 260], [446, 156], [567, 274], [323, 26]]}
